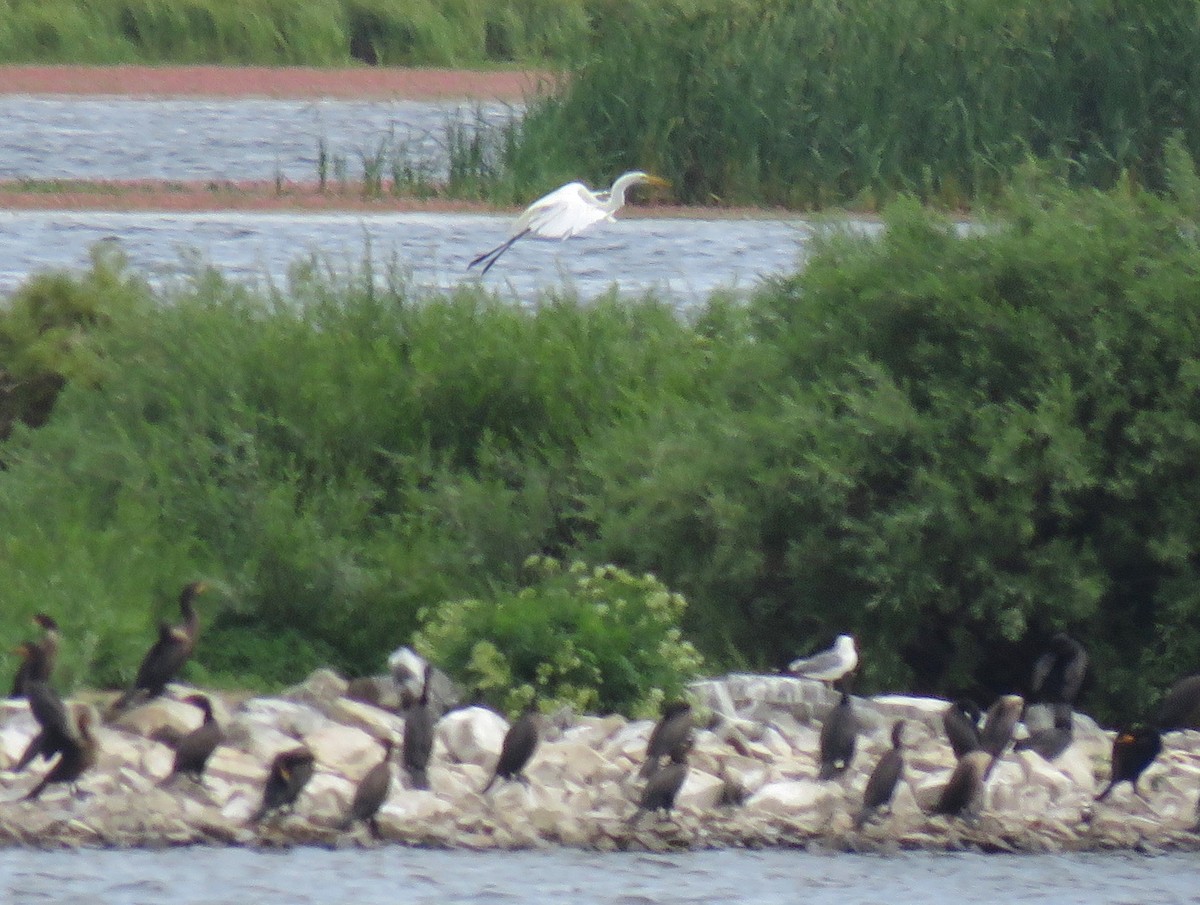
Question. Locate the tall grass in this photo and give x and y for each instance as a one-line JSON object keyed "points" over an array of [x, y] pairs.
{"points": [[811, 102], [315, 32]]}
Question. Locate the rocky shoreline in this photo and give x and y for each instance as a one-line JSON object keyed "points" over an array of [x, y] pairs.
{"points": [[752, 781]]}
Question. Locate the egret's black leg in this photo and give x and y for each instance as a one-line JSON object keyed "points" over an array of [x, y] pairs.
{"points": [[488, 258]]}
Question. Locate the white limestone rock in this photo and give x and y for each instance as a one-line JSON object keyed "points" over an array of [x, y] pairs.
{"points": [[789, 798], [472, 735], [343, 749]]}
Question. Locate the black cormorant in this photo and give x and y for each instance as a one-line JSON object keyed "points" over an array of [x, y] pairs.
{"points": [[961, 722], [78, 754], [839, 734], [1054, 740], [290, 772], [962, 791], [55, 734], [672, 733], [418, 736], [49, 643], [1180, 707], [520, 742], [663, 785], [883, 780], [194, 749], [1133, 750], [1058, 673], [168, 654], [371, 793]]}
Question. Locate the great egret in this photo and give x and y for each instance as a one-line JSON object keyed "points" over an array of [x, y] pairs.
{"points": [[568, 211]]}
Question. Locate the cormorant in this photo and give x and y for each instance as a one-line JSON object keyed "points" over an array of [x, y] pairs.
{"points": [[961, 721], [829, 665], [1058, 673], [965, 785], [883, 780], [418, 736], [839, 734], [55, 734], [168, 654], [1053, 741], [1133, 750], [78, 754], [997, 732], [371, 793], [519, 744], [49, 643], [194, 749], [1180, 707], [290, 772], [672, 733], [663, 785]]}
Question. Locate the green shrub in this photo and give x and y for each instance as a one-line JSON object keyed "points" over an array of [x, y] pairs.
{"points": [[600, 639]]}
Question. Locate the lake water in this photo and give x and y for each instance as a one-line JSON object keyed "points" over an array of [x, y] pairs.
{"points": [[389, 874], [679, 258], [195, 139]]}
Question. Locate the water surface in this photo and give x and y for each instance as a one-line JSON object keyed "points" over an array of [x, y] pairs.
{"points": [[682, 259], [106, 138], [390, 874]]}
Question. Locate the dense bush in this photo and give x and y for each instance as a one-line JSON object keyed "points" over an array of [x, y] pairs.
{"points": [[599, 639], [811, 102], [951, 441]]}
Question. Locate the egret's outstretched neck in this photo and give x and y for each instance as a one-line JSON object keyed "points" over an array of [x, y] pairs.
{"points": [[616, 198]]}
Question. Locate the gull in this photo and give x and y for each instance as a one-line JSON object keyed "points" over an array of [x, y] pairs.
{"points": [[829, 665]]}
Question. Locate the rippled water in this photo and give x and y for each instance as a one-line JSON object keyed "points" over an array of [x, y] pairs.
{"points": [[211, 876], [190, 139], [683, 259]]}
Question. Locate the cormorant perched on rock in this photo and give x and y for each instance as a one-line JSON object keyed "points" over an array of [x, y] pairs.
{"points": [[1180, 707], [49, 643], [1133, 750], [168, 654], [371, 793], [997, 732], [194, 749], [78, 754], [839, 734], [418, 736], [663, 785], [56, 732], [961, 722], [883, 780], [1058, 673], [672, 733], [965, 785], [829, 665], [290, 772], [520, 742], [1052, 741]]}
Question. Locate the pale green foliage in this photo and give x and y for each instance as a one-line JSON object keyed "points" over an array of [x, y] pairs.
{"points": [[598, 639]]}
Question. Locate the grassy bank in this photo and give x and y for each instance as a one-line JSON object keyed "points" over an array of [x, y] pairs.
{"points": [[948, 444]]}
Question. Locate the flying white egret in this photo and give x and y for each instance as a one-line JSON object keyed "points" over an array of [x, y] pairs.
{"points": [[568, 211]]}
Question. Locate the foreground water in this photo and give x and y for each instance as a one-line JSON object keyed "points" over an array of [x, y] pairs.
{"points": [[554, 877], [680, 258], [253, 139]]}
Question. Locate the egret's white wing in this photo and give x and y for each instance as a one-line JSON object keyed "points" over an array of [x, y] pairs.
{"points": [[563, 213]]}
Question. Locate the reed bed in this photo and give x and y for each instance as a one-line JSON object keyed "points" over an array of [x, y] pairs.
{"points": [[812, 102], [284, 32]]}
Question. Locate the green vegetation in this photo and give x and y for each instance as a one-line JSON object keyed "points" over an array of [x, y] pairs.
{"points": [[284, 32], [949, 442], [806, 103], [599, 639]]}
